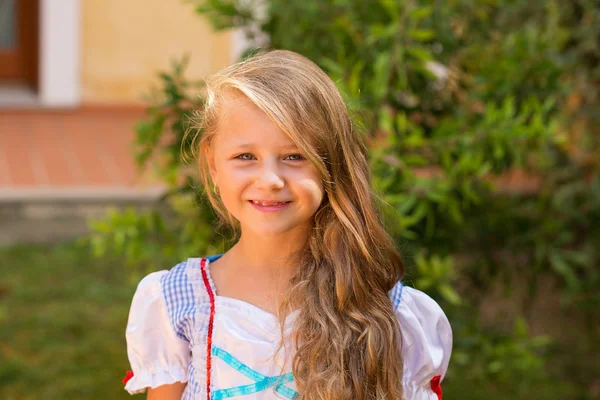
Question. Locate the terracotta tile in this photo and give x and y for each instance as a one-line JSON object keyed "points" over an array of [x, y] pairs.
{"points": [[16, 141], [121, 143], [5, 178], [39, 132], [107, 160], [88, 147], [55, 148]]}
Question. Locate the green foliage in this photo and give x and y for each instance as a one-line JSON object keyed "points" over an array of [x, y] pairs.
{"points": [[147, 241], [481, 119], [503, 355], [161, 137]]}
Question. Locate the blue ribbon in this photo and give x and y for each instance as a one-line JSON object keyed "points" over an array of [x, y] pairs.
{"points": [[262, 382]]}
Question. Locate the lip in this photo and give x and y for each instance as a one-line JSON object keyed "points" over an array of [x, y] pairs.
{"points": [[269, 208]]}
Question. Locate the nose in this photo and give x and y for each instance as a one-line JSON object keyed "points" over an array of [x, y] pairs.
{"points": [[269, 177]]}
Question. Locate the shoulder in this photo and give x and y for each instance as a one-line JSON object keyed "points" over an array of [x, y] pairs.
{"points": [[426, 337], [157, 343], [150, 285], [177, 285], [422, 318], [416, 311], [409, 302], [180, 290], [184, 283]]}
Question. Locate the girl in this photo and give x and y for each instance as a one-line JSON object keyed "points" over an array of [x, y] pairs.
{"points": [[308, 303]]}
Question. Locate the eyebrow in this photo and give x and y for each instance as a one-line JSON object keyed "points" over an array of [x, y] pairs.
{"points": [[251, 145]]}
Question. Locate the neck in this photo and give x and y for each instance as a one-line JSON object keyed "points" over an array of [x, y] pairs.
{"points": [[277, 254]]}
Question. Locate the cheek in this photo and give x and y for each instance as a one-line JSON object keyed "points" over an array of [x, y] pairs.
{"points": [[232, 183], [311, 188], [230, 178]]}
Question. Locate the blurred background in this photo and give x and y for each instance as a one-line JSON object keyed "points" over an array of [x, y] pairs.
{"points": [[482, 121]]}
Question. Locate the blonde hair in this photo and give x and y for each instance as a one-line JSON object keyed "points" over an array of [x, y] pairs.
{"points": [[346, 337]]}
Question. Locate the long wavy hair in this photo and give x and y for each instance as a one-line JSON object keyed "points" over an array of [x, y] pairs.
{"points": [[346, 337]]}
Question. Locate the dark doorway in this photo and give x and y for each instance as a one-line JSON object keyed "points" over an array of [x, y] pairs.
{"points": [[19, 30]]}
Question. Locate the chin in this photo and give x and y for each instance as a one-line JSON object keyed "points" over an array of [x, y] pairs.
{"points": [[272, 230]]}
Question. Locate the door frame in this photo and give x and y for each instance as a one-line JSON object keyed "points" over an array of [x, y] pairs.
{"points": [[60, 40]]}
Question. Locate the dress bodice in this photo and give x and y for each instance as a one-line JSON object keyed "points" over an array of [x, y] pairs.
{"points": [[180, 329]]}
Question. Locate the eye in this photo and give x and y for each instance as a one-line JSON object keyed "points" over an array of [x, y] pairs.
{"points": [[295, 157], [245, 157]]}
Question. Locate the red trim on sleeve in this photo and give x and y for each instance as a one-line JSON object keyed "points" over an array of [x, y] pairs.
{"points": [[128, 376], [436, 386], [211, 321]]}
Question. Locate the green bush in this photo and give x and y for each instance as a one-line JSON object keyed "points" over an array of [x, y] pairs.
{"points": [[482, 122]]}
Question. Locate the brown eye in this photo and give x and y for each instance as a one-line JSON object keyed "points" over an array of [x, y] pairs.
{"points": [[295, 157], [245, 157]]}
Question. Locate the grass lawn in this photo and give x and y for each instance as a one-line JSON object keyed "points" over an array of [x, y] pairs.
{"points": [[63, 315]]}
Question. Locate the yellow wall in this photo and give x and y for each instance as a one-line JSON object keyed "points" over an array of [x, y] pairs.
{"points": [[125, 43]]}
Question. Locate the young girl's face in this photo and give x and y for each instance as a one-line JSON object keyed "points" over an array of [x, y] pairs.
{"points": [[263, 179]]}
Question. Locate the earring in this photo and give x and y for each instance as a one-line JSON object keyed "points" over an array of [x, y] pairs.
{"points": [[215, 188]]}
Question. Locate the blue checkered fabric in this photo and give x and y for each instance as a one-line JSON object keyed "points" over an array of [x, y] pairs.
{"points": [[180, 300], [193, 388], [396, 294], [179, 297]]}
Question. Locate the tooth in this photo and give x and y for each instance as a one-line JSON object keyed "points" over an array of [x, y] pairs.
{"points": [[268, 204]]}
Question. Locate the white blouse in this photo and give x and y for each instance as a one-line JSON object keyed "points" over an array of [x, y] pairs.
{"points": [[169, 328]]}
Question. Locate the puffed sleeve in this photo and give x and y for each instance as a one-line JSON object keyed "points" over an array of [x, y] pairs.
{"points": [[157, 355], [426, 343]]}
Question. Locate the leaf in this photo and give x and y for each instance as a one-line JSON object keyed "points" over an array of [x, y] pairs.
{"points": [[418, 214], [415, 160], [521, 328], [449, 294], [381, 69], [407, 204], [408, 234], [559, 265], [392, 7], [332, 66], [495, 366], [425, 283], [422, 35], [354, 80], [381, 32], [386, 121], [454, 210], [420, 53], [420, 13], [401, 122]]}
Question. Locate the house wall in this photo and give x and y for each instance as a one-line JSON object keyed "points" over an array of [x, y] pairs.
{"points": [[125, 43]]}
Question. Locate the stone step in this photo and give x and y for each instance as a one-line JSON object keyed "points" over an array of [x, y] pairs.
{"points": [[51, 215]]}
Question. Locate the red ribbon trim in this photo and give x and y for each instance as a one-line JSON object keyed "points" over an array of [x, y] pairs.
{"points": [[436, 386], [128, 376], [211, 321]]}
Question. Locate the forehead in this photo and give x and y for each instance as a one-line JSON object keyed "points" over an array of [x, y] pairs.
{"points": [[242, 123]]}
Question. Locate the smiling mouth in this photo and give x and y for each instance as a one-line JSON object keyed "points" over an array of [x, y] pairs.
{"points": [[263, 203]]}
